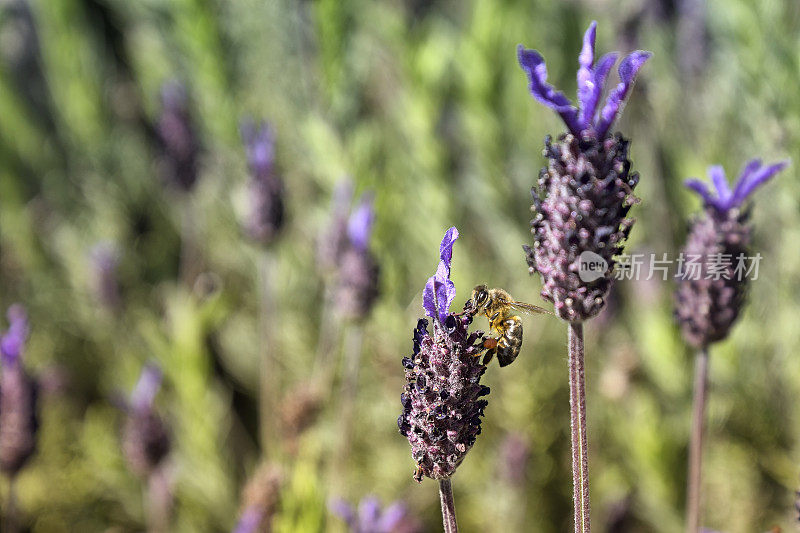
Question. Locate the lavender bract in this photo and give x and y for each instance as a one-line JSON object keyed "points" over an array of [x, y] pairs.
{"points": [[583, 197], [266, 216], [708, 304], [442, 399], [18, 397], [145, 439]]}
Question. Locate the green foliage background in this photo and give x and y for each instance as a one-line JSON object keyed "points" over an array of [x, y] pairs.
{"points": [[423, 103]]}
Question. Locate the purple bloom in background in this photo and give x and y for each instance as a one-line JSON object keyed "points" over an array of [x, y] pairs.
{"points": [[343, 253], [707, 303], [443, 399], [266, 191], [104, 259], [18, 397], [583, 196], [369, 518], [515, 454], [439, 290], [145, 438], [587, 119], [179, 145]]}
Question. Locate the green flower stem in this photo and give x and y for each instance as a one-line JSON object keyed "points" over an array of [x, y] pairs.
{"points": [[580, 451]]}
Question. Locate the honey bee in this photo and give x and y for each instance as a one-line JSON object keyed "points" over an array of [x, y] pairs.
{"points": [[498, 306]]}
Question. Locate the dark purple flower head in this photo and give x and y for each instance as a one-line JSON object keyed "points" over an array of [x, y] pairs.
{"points": [[723, 199], [439, 290], [266, 190], [145, 440], [585, 120], [369, 518], [13, 341], [178, 141]]}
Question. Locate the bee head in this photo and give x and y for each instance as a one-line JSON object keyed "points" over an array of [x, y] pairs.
{"points": [[480, 296]]}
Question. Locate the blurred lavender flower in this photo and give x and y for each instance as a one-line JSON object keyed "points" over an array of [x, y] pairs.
{"points": [[515, 453], [584, 195], [179, 145], [357, 271], [145, 438], [104, 259], [18, 397], [442, 399], [707, 306], [370, 519], [260, 500], [266, 216]]}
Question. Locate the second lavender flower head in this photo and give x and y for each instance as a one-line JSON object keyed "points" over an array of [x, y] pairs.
{"points": [[582, 198], [710, 298]]}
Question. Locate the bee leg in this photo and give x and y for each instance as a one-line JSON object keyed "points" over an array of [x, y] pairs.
{"points": [[488, 357]]}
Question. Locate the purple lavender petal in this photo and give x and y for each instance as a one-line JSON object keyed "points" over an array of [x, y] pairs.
{"points": [[391, 517], [12, 342], [446, 248], [369, 511], [249, 521], [439, 291], [345, 511], [600, 73], [628, 69], [533, 64], [587, 90], [702, 189], [750, 181], [359, 226], [717, 175], [146, 388], [259, 145]]}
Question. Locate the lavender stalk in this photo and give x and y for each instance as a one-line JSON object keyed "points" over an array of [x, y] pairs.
{"points": [[711, 291], [581, 203], [696, 443], [580, 446], [448, 506]]}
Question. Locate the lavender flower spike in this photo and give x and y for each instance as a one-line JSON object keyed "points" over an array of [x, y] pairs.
{"points": [[18, 397], [753, 175], [13, 341], [584, 121], [145, 439], [442, 399], [439, 290], [266, 191], [359, 225], [707, 304]]}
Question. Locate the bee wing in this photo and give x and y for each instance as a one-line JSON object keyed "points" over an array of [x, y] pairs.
{"points": [[530, 308]]}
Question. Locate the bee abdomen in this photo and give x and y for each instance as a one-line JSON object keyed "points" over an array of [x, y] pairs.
{"points": [[510, 343]]}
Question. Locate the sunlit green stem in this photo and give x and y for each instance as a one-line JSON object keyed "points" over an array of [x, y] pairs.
{"points": [[448, 506]]}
